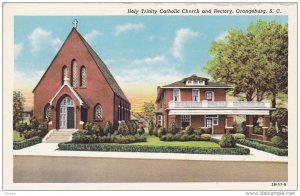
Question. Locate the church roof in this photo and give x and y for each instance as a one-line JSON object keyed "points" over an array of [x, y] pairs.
{"points": [[105, 71], [103, 68]]}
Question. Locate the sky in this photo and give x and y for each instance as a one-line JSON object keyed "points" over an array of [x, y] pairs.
{"points": [[142, 52]]}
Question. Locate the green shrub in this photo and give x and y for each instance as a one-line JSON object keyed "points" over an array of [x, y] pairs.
{"points": [[141, 130], [258, 130], [34, 123], [184, 137], [158, 149], [197, 137], [108, 128], [26, 143], [205, 137], [161, 131], [264, 147], [151, 127], [173, 128], [284, 135], [189, 130], [95, 129], [271, 132], [238, 136], [278, 142], [240, 127], [227, 141], [177, 137], [280, 115], [155, 131], [123, 128]]}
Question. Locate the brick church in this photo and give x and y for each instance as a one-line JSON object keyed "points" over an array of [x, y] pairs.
{"points": [[78, 87]]}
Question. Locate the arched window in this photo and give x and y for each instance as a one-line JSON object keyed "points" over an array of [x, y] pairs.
{"points": [[74, 78], [83, 77], [64, 73], [47, 112], [98, 112]]}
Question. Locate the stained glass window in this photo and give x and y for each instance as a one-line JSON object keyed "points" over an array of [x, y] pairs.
{"points": [[47, 112], [74, 73], [98, 112], [83, 77], [64, 73]]}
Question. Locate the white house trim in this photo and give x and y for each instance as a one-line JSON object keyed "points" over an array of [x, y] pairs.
{"points": [[66, 83], [210, 87], [217, 112]]}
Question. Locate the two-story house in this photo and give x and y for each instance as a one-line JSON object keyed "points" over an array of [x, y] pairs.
{"points": [[202, 104]]}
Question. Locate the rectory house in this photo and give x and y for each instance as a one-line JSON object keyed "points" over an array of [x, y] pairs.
{"points": [[78, 87], [202, 104]]}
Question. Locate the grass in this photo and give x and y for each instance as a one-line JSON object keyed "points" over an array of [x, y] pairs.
{"points": [[17, 137], [154, 141]]}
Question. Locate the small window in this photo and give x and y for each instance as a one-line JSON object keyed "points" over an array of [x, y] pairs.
{"points": [[209, 96], [64, 74], [176, 94], [83, 77], [195, 94], [98, 112], [185, 120], [159, 120], [47, 112], [74, 79]]}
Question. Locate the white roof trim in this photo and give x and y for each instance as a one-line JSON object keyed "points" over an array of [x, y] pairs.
{"points": [[72, 90], [218, 112], [197, 86]]}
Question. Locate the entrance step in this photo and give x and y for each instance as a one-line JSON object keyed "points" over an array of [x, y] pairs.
{"points": [[59, 135]]}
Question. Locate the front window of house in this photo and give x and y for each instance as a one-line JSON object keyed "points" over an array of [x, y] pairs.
{"points": [[195, 94], [159, 120], [185, 121], [209, 96], [98, 112], [176, 94]]}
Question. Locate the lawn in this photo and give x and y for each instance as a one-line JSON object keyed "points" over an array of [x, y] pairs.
{"points": [[17, 137], [154, 141]]}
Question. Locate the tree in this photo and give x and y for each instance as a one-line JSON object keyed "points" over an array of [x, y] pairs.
{"points": [[280, 116], [148, 111], [18, 107], [253, 62]]}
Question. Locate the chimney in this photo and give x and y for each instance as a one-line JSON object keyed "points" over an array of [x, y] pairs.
{"points": [[158, 89]]}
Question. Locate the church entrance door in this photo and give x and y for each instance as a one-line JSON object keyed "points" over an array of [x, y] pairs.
{"points": [[67, 114]]}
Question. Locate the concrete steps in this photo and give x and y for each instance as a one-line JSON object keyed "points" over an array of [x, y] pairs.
{"points": [[59, 135]]}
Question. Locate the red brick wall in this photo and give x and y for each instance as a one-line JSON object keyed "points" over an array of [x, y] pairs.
{"points": [[97, 91], [219, 94], [197, 121], [220, 128]]}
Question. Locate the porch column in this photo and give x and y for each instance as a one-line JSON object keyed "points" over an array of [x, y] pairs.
{"points": [[229, 123], [249, 120], [266, 124]]}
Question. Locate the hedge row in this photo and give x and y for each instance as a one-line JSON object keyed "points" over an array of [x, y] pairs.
{"points": [[268, 143], [26, 143], [264, 147], [157, 149]]}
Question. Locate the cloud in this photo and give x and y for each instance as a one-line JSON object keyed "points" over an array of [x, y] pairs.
{"points": [[181, 37], [154, 37], [222, 36], [89, 37], [18, 49], [41, 39], [149, 60], [27, 82], [128, 27]]}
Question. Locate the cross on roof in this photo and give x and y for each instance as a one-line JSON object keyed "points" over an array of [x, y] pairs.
{"points": [[75, 22]]}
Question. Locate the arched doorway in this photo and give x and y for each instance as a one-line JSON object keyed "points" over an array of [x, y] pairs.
{"points": [[67, 113]]}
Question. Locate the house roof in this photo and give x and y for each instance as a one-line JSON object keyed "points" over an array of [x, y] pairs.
{"points": [[103, 68]]}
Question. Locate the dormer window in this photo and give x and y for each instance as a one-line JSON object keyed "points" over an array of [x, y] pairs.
{"points": [[195, 82]]}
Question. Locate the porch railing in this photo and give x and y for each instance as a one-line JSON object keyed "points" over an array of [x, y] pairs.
{"points": [[218, 104]]}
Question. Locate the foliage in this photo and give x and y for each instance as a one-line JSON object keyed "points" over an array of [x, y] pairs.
{"points": [[148, 111], [258, 130], [151, 127], [155, 131], [26, 143], [185, 137], [239, 136], [227, 141], [34, 123], [278, 142], [284, 135], [205, 137], [271, 132], [254, 62], [141, 130], [17, 137], [157, 149], [280, 115], [240, 127], [108, 128], [123, 128], [18, 106], [161, 131], [189, 130], [173, 128], [264, 147]]}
